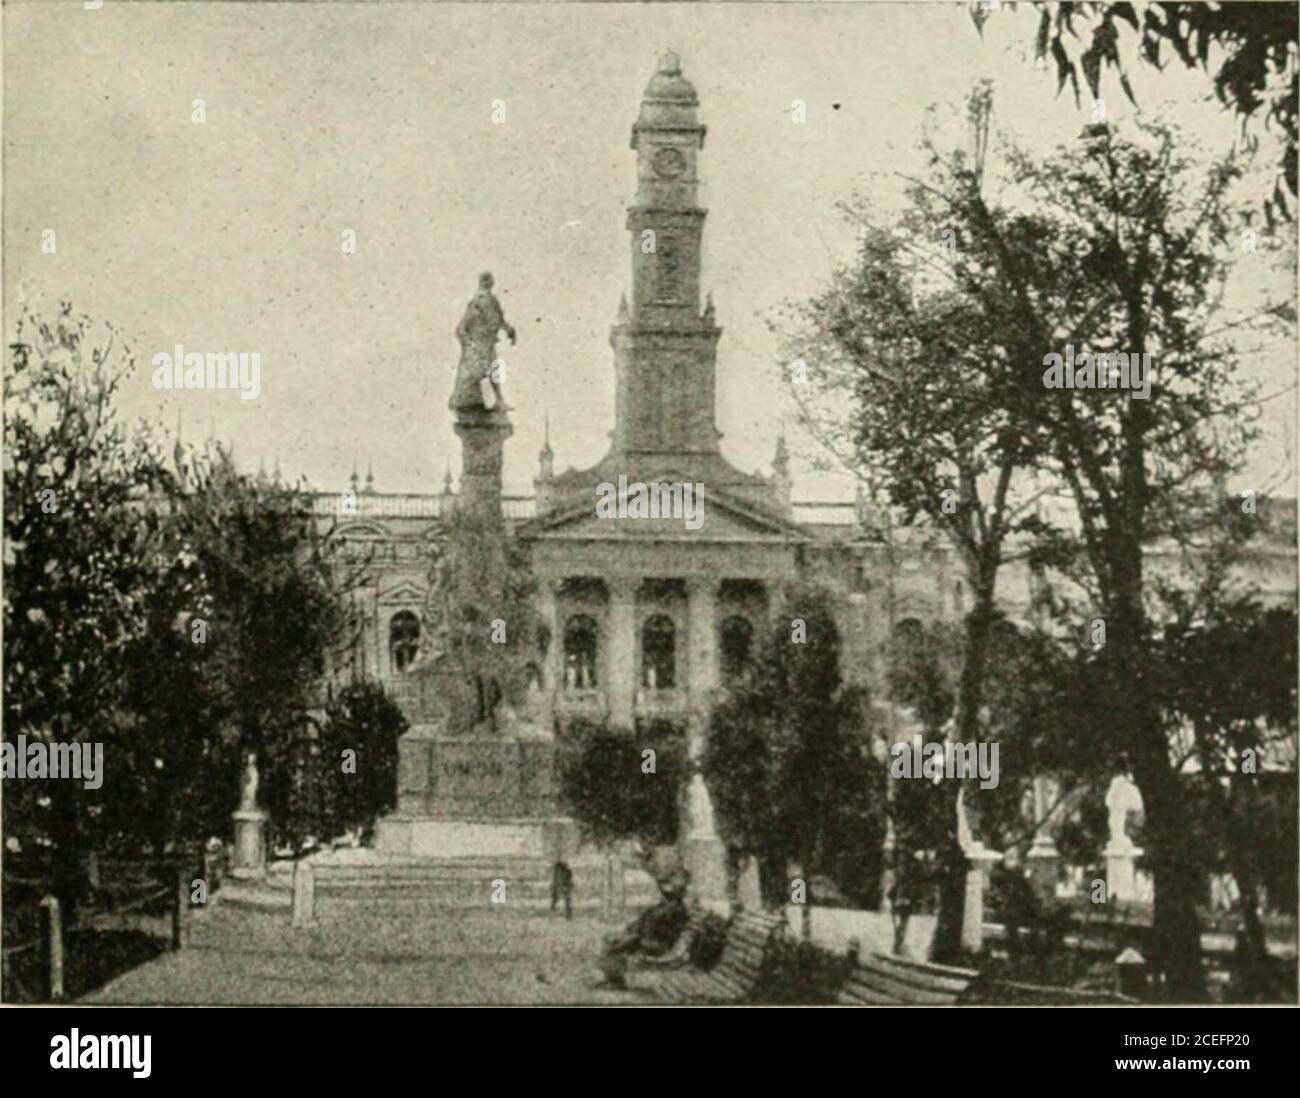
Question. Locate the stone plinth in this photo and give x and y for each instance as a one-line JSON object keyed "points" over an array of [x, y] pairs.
{"points": [[476, 796], [980, 862], [1121, 870], [427, 837], [250, 844]]}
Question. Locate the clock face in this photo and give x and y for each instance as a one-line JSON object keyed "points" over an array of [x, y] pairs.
{"points": [[669, 162]]}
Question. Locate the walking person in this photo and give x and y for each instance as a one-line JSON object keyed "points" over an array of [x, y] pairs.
{"points": [[562, 886]]}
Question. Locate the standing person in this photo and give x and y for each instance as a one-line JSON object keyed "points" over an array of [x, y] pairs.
{"points": [[562, 886]]}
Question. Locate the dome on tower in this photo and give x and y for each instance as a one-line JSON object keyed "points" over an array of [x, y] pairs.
{"points": [[668, 84]]}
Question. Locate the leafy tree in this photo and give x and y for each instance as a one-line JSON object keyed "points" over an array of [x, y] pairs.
{"points": [[1254, 57], [84, 557], [1037, 697], [615, 790], [1128, 256], [786, 760], [276, 617], [359, 787], [1228, 675], [926, 346]]}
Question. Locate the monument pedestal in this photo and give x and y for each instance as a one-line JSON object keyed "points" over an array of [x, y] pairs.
{"points": [[431, 837], [981, 861], [250, 844], [1121, 870], [476, 796]]}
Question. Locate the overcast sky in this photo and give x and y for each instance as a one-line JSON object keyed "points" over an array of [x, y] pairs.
{"points": [[226, 236]]}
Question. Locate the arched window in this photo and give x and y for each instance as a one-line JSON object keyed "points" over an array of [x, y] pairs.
{"points": [[658, 653], [580, 649], [403, 639], [737, 646]]}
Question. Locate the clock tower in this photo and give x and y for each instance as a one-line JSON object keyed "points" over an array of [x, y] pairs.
{"points": [[665, 347]]}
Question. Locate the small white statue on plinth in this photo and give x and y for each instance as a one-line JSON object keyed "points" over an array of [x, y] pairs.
{"points": [[250, 825], [1122, 878]]}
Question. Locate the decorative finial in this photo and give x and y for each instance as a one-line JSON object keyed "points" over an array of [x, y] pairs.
{"points": [[354, 480], [370, 477], [708, 306], [622, 308], [446, 481], [276, 477], [670, 64], [546, 456]]}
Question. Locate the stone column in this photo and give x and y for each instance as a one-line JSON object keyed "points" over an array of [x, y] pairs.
{"points": [[483, 433], [620, 661], [704, 853], [703, 608]]}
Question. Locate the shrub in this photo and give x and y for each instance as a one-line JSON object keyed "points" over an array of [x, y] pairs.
{"points": [[607, 787]]}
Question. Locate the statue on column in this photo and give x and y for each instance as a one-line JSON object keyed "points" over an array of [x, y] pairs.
{"points": [[477, 331]]}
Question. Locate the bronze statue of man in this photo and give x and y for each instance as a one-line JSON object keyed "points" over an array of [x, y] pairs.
{"points": [[477, 332]]}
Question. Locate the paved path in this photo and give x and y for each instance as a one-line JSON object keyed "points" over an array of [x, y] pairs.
{"points": [[245, 956]]}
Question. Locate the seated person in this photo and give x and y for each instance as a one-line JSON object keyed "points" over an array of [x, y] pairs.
{"points": [[652, 933]]}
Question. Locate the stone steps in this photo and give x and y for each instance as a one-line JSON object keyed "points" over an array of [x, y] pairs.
{"points": [[353, 884]]}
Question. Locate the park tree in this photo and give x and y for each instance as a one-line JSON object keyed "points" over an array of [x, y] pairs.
{"points": [[623, 787], [278, 617], [1130, 257], [85, 556], [1117, 244], [1227, 689], [1036, 709], [926, 347], [787, 760], [354, 766]]}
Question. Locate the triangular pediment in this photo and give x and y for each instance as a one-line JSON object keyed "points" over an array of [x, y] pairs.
{"points": [[723, 517], [405, 593]]}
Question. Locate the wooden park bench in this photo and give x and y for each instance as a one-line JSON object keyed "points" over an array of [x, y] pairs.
{"points": [[881, 980], [747, 954]]}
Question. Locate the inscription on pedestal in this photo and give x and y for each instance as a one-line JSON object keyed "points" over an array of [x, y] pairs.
{"points": [[477, 778]]}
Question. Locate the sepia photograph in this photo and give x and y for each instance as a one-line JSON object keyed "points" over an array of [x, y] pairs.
{"points": [[650, 505]]}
